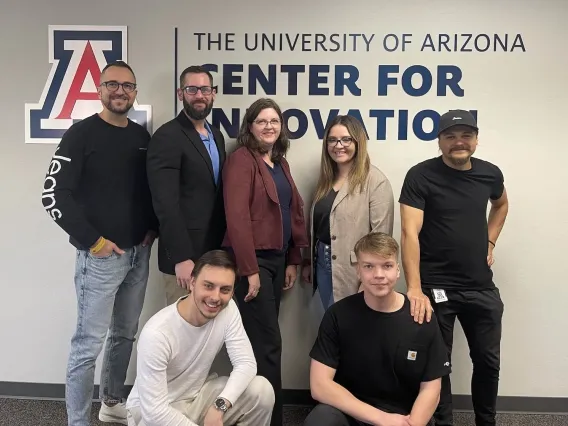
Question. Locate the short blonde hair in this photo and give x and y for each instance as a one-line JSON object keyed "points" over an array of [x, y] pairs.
{"points": [[377, 243]]}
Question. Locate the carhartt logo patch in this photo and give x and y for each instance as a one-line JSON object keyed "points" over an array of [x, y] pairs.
{"points": [[411, 355]]}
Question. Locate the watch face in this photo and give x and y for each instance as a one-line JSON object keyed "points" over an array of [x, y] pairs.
{"points": [[220, 404]]}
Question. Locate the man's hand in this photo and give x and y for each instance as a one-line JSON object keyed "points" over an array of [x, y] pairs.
{"points": [[183, 273], [290, 279], [107, 249], [394, 420], [213, 417], [420, 306], [490, 258], [149, 238], [254, 286]]}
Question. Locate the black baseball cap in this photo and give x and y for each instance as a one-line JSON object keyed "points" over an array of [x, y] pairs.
{"points": [[456, 117]]}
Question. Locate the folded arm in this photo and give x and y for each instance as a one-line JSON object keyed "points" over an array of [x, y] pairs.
{"points": [[426, 402], [325, 390], [241, 355], [152, 382]]}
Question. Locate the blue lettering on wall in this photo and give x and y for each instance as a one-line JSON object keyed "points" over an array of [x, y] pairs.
{"points": [[346, 76], [381, 115], [318, 120], [299, 122], [267, 82], [268, 76], [221, 121], [302, 122], [447, 76], [292, 71], [316, 79], [418, 124], [339, 80]]}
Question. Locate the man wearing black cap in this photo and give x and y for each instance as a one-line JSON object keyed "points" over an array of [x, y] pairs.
{"points": [[447, 252]]}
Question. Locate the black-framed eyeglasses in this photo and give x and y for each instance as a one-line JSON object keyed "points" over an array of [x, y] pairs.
{"points": [[344, 141], [205, 90], [114, 85], [275, 122]]}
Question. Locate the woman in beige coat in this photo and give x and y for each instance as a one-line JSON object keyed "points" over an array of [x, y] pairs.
{"points": [[352, 198]]}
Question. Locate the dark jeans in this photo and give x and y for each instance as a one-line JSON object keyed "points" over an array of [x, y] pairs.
{"points": [[480, 314], [326, 415], [260, 320], [323, 274]]}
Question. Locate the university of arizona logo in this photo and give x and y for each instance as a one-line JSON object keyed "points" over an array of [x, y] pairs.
{"points": [[77, 54]]}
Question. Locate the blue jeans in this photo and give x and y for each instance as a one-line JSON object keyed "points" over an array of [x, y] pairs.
{"points": [[110, 297], [323, 274]]}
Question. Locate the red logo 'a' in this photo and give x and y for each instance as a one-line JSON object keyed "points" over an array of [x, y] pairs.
{"points": [[78, 54], [88, 65]]}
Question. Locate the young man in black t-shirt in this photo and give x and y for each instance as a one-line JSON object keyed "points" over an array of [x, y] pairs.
{"points": [[96, 190], [447, 252], [372, 364]]}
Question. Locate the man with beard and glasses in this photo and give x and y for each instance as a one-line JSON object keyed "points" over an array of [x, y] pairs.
{"points": [[447, 253], [185, 162], [176, 350], [96, 190]]}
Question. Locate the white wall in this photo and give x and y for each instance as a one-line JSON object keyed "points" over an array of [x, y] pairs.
{"points": [[521, 102]]}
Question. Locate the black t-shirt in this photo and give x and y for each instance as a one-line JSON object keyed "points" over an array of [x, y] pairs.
{"points": [[454, 238], [381, 358], [322, 211], [96, 184]]}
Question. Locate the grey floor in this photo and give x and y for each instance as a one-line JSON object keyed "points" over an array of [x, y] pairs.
{"points": [[18, 412]]}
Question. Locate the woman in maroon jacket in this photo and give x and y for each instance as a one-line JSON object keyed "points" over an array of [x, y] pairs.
{"points": [[265, 230]]}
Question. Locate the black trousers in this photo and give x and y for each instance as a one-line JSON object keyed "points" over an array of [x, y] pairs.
{"points": [[326, 415], [480, 314], [260, 320]]}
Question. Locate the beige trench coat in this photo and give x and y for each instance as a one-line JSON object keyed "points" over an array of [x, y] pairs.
{"points": [[353, 216]]}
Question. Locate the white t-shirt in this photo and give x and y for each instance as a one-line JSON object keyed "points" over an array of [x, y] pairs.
{"points": [[174, 358]]}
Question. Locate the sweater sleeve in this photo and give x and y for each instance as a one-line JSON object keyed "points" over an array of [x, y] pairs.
{"points": [[381, 206], [241, 355], [60, 185], [154, 353]]}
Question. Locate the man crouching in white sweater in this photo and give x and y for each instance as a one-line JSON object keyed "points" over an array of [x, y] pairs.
{"points": [[177, 347]]}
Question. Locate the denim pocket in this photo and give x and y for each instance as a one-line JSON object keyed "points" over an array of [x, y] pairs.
{"points": [[109, 256]]}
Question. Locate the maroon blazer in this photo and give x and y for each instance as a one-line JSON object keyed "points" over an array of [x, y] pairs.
{"points": [[254, 219]]}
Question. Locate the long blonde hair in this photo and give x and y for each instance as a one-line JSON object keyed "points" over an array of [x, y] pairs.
{"points": [[361, 163]]}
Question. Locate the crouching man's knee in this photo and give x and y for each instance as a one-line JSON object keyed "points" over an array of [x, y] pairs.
{"points": [[260, 392], [323, 414]]}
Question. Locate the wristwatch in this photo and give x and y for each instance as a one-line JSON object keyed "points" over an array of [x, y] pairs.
{"points": [[221, 404]]}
